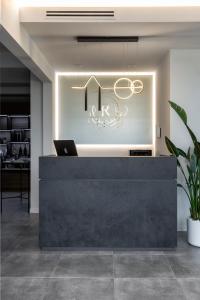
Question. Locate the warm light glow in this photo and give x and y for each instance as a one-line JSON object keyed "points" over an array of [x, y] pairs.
{"points": [[56, 106], [113, 146], [87, 83], [91, 74], [136, 146], [129, 86], [154, 113], [107, 3], [135, 87], [138, 86]]}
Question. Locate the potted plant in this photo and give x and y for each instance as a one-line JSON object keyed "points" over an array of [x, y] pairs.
{"points": [[189, 164]]}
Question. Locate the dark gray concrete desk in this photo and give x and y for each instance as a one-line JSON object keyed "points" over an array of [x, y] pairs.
{"points": [[108, 202]]}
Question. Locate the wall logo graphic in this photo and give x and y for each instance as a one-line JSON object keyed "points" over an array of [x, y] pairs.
{"points": [[110, 115]]}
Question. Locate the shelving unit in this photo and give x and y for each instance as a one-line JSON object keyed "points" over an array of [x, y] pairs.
{"points": [[14, 147], [15, 133], [19, 143]]}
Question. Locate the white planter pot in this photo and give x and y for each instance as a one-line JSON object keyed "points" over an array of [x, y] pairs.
{"points": [[193, 230]]}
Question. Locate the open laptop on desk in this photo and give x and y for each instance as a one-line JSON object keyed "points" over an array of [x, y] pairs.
{"points": [[65, 148]]}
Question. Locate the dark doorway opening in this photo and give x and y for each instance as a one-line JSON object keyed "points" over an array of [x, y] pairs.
{"points": [[15, 133]]}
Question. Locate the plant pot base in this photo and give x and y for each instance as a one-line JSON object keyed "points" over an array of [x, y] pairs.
{"points": [[193, 230]]}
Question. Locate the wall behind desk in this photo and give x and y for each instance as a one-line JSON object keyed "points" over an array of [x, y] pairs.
{"points": [[74, 121]]}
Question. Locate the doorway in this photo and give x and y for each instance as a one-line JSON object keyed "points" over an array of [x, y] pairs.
{"points": [[15, 133]]}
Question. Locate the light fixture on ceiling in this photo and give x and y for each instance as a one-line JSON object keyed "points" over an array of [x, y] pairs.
{"points": [[107, 39], [133, 86], [80, 13], [86, 99]]}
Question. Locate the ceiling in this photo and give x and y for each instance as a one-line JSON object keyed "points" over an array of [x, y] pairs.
{"points": [[57, 42]]}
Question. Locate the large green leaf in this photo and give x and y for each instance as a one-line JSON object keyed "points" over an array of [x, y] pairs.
{"points": [[182, 153], [195, 141], [180, 111], [188, 153], [171, 147], [193, 163], [182, 114]]}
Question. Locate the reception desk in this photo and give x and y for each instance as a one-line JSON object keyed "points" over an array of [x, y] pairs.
{"points": [[108, 202]]}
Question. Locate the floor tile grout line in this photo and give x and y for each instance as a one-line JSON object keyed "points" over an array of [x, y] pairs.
{"points": [[113, 265], [57, 277], [114, 289], [37, 251], [56, 265], [167, 259], [102, 277], [54, 253]]}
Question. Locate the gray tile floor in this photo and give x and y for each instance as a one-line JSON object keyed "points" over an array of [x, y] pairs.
{"points": [[28, 273]]}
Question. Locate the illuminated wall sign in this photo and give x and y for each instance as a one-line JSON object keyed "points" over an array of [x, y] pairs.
{"points": [[123, 88], [109, 114]]}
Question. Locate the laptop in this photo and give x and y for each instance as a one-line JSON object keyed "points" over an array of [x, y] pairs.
{"points": [[65, 148]]}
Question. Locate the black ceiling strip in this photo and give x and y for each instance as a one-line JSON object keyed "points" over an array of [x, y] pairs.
{"points": [[79, 15], [80, 11], [107, 39]]}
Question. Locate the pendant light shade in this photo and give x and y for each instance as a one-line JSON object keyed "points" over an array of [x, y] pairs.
{"points": [[99, 99], [86, 99]]}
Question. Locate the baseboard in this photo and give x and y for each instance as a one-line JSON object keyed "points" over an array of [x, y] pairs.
{"points": [[34, 210]]}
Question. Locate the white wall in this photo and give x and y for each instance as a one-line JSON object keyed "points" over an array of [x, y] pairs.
{"points": [[36, 139], [185, 91], [75, 123], [41, 132], [163, 96], [0, 11], [48, 122]]}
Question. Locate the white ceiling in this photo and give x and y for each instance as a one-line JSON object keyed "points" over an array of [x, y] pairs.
{"points": [[57, 42]]}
